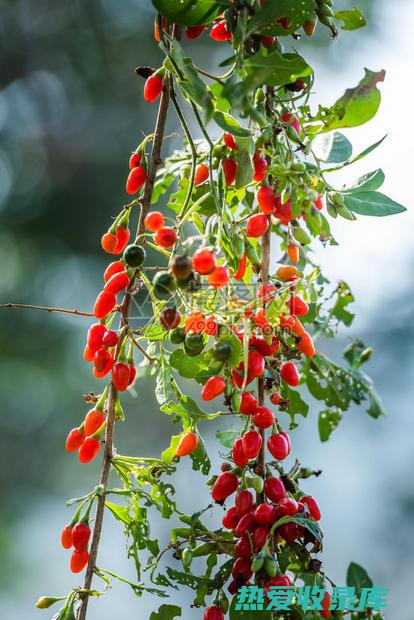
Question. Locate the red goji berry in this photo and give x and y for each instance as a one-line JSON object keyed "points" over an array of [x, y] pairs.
{"points": [[104, 304], [121, 374], [219, 31], [123, 235], [154, 221], [204, 261], [263, 417], [75, 439], [110, 339], [230, 170], [80, 536], [89, 450], [219, 277], [244, 502], [297, 306], [117, 283], [230, 142], [252, 442], [165, 237], [78, 560], [260, 166], [66, 537], [134, 160], [257, 225], [278, 447], [112, 269], [289, 373], [136, 180], [225, 485], [213, 613], [274, 489], [239, 457], [230, 518], [266, 199], [213, 387], [93, 421], [201, 175], [248, 403], [109, 242], [265, 514], [193, 32], [95, 335], [153, 88], [188, 444]]}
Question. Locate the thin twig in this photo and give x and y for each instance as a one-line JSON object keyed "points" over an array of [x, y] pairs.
{"points": [[46, 308]]}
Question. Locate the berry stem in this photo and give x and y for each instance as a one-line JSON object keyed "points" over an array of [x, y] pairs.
{"points": [[46, 308]]}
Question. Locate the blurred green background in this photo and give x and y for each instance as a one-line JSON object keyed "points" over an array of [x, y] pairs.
{"points": [[71, 110]]}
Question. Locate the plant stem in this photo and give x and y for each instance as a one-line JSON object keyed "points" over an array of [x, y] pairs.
{"points": [[46, 308], [153, 164]]}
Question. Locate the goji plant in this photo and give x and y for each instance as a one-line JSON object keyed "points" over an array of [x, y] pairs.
{"points": [[238, 306]]}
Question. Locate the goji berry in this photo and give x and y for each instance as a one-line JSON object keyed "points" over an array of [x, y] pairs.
{"points": [[110, 339], [134, 160], [248, 403], [121, 374], [66, 537], [170, 318], [306, 345], [104, 304], [289, 373], [78, 560], [291, 120], [112, 269], [278, 447], [287, 506], [89, 450], [283, 210], [292, 251], [260, 166], [297, 306], [251, 442], [204, 261], [265, 514], [230, 170], [117, 283], [193, 32], [219, 31], [202, 173], [266, 199], [80, 536], [230, 142], [274, 489], [263, 418], [102, 373], [225, 485], [318, 203], [122, 234], [242, 570], [93, 421], [101, 359], [241, 269], [239, 457], [313, 507], [153, 88], [136, 180], [287, 272], [255, 363], [165, 237], [154, 220], [195, 322], [188, 444], [257, 225], [244, 502], [75, 439], [95, 335], [260, 536], [213, 613], [219, 277], [246, 524], [109, 242], [231, 518], [213, 387]]}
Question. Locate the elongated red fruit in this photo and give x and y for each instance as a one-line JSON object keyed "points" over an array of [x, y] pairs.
{"points": [[252, 442], [213, 387], [225, 485], [66, 537], [89, 450], [278, 447], [136, 180], [274, 489], [80, 536], [289, 373], [78, 560], [257, 225], [117, 283], [75, 439], [104, 304], [121, 374], [230, 170], [188, 444], [219, 31], [93, 421], [153, 88], [313, 507], [266, 199]]}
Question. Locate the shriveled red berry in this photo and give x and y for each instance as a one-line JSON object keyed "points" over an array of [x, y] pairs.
{"points": [[104, 304], [219, 31], [66, 537], [242, 570], [153, 88], [136, 180], [78, 561], [154, 220], [257, 225], [93, 421], [121, 374], [219, 277], [202, 173], [213, 387], [266, 199], [80, 536], [75, 439], [89, 450], [289, 373], [225, 485], [165, 237], [104, 371], [230, 170]]}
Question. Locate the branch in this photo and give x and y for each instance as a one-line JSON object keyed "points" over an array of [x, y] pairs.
{"points": [[153, 164], [46, 308]]}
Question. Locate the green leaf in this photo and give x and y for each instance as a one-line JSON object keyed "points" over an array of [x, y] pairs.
{"points": [[187, 367], [168, 454], [327, 422], [372, 203], [164, 391], [352, 19], [230, 124], [332, 148], [189, 79], [265, 19], [200, 459], [361, 155], [343, 299], [297, 406], [166, 612], [273, 69], [243, 157], [121, 513], [357, 577], [227, 438], [368, 182], [356, 107], [190, 12]]}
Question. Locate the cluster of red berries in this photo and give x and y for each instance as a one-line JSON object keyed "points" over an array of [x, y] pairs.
{"points": [[86, 438], [77, 536]]}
